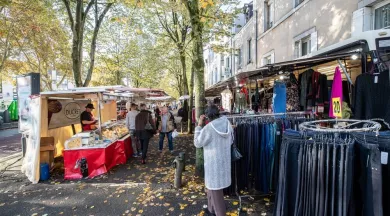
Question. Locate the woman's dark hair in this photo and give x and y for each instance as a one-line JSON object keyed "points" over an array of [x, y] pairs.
{"points": [[212, 112]]}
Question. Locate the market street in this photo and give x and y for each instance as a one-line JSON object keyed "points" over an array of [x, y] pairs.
{"points": [[131, 189], [9, 142]]}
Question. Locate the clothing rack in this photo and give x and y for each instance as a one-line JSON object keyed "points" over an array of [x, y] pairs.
{"points": [[366, 126], [256, 116]]}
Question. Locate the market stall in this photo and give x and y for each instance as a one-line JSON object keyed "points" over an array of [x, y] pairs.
{"points": [[55, 130], [100, 149]]}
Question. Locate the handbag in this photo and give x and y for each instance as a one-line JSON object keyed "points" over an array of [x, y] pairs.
{"points": [[236, 155], [148, 126]]}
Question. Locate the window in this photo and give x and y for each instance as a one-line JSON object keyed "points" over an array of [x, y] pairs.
{"points": [[303, 47], [249, 51], [298, 2], [382, 17], [267, 60], [269, 15], [227, 62]]}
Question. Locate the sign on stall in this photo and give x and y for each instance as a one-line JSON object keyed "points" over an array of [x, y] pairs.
{"points": [[65, 112]]}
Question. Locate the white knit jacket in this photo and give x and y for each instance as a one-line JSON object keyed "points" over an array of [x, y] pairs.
{"points": [[216, 139]]}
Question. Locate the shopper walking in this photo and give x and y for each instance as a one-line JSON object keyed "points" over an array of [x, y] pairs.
{"points": [[165, 126], [130, 124], [216, 139], [145, 128]]}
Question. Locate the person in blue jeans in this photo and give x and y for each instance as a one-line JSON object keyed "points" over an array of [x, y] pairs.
{"points": [[165, 126]]}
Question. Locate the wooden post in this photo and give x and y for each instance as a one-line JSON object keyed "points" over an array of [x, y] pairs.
{"points": [[100, 116]]}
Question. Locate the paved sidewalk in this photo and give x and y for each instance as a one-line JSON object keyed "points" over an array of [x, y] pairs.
{"points": [[9, 142], [131, 189]]}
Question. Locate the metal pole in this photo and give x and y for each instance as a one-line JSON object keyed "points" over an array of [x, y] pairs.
{"points": [[100, 117], [345, 71], [178, 165]]}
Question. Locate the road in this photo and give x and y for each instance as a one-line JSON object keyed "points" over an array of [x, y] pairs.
{"points": [[9, 142], [130, 189]]}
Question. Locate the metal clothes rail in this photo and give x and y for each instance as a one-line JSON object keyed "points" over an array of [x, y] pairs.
{"points": [[257, 116]]}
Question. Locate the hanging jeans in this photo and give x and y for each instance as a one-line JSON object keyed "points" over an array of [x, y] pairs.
{"points": [[315, 176], [369, 176]]}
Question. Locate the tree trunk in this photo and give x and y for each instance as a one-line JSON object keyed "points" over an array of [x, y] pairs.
{"points": [[77, 24], [191, 100], [184, 69], [93, 43], [198, 64], [77, 48]]}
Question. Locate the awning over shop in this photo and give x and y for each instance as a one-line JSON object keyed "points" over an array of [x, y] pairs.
{"points": [[274, 69], [108, 92]]}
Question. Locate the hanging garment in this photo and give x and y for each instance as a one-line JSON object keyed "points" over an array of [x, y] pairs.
{"points": [[372, 96], [315, 176], [304, 85], [292, 94], [241, 101], [227, 97], [335, 110], [279, 97]]}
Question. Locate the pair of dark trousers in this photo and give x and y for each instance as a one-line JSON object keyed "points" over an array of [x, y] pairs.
{"points": [[170, 140], [369, 176], [216, 202], [144, 146]]}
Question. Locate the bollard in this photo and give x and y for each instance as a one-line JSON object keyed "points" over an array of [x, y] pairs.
{"points": [[178, 165], [182, 155]]}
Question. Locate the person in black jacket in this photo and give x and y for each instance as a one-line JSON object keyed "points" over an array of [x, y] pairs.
{"points": [[142, 133], [165, 126]]}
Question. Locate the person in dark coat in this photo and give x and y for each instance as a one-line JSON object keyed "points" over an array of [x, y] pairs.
{"points": [[143, 134]]}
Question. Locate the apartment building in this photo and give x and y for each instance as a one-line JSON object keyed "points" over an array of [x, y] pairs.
{"points": [[219, 64], [244, 43], [291, 29]]}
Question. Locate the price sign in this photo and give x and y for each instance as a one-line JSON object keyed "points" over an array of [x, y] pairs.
{"points": [[336, 103]]}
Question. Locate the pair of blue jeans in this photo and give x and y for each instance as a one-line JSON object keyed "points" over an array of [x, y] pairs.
{"points": [[170, 140]]}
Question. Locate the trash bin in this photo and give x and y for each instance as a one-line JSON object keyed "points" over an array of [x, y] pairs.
{"points": [[44, 172], [6, 117]]}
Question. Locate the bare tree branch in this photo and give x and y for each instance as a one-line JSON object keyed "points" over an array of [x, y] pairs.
{"points": [[67, 5]]}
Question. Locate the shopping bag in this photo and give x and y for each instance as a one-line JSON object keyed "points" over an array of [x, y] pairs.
{"points": [[175, 134]]}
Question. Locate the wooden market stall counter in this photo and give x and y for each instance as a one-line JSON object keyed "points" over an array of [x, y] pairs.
{"points": [[60, 118], [100, 159]]}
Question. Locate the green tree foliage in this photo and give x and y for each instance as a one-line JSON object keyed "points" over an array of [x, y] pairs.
{"points": [[32, 40], [79, 15]]}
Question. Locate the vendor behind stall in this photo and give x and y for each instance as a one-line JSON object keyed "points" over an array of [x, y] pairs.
{"points": [[86, 118]]}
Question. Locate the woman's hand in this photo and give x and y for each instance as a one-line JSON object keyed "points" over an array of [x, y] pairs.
{"points": [[201, 120]]}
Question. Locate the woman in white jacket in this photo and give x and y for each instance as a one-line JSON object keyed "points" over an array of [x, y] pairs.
{"points": [[216, 139]]}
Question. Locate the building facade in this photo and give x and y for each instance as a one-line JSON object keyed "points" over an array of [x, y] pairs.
{"points": [[244, 43], [219, 65], [291, 29]]}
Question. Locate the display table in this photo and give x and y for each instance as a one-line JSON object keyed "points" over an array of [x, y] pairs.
{"points": [[127, 143], [99, 159]]}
